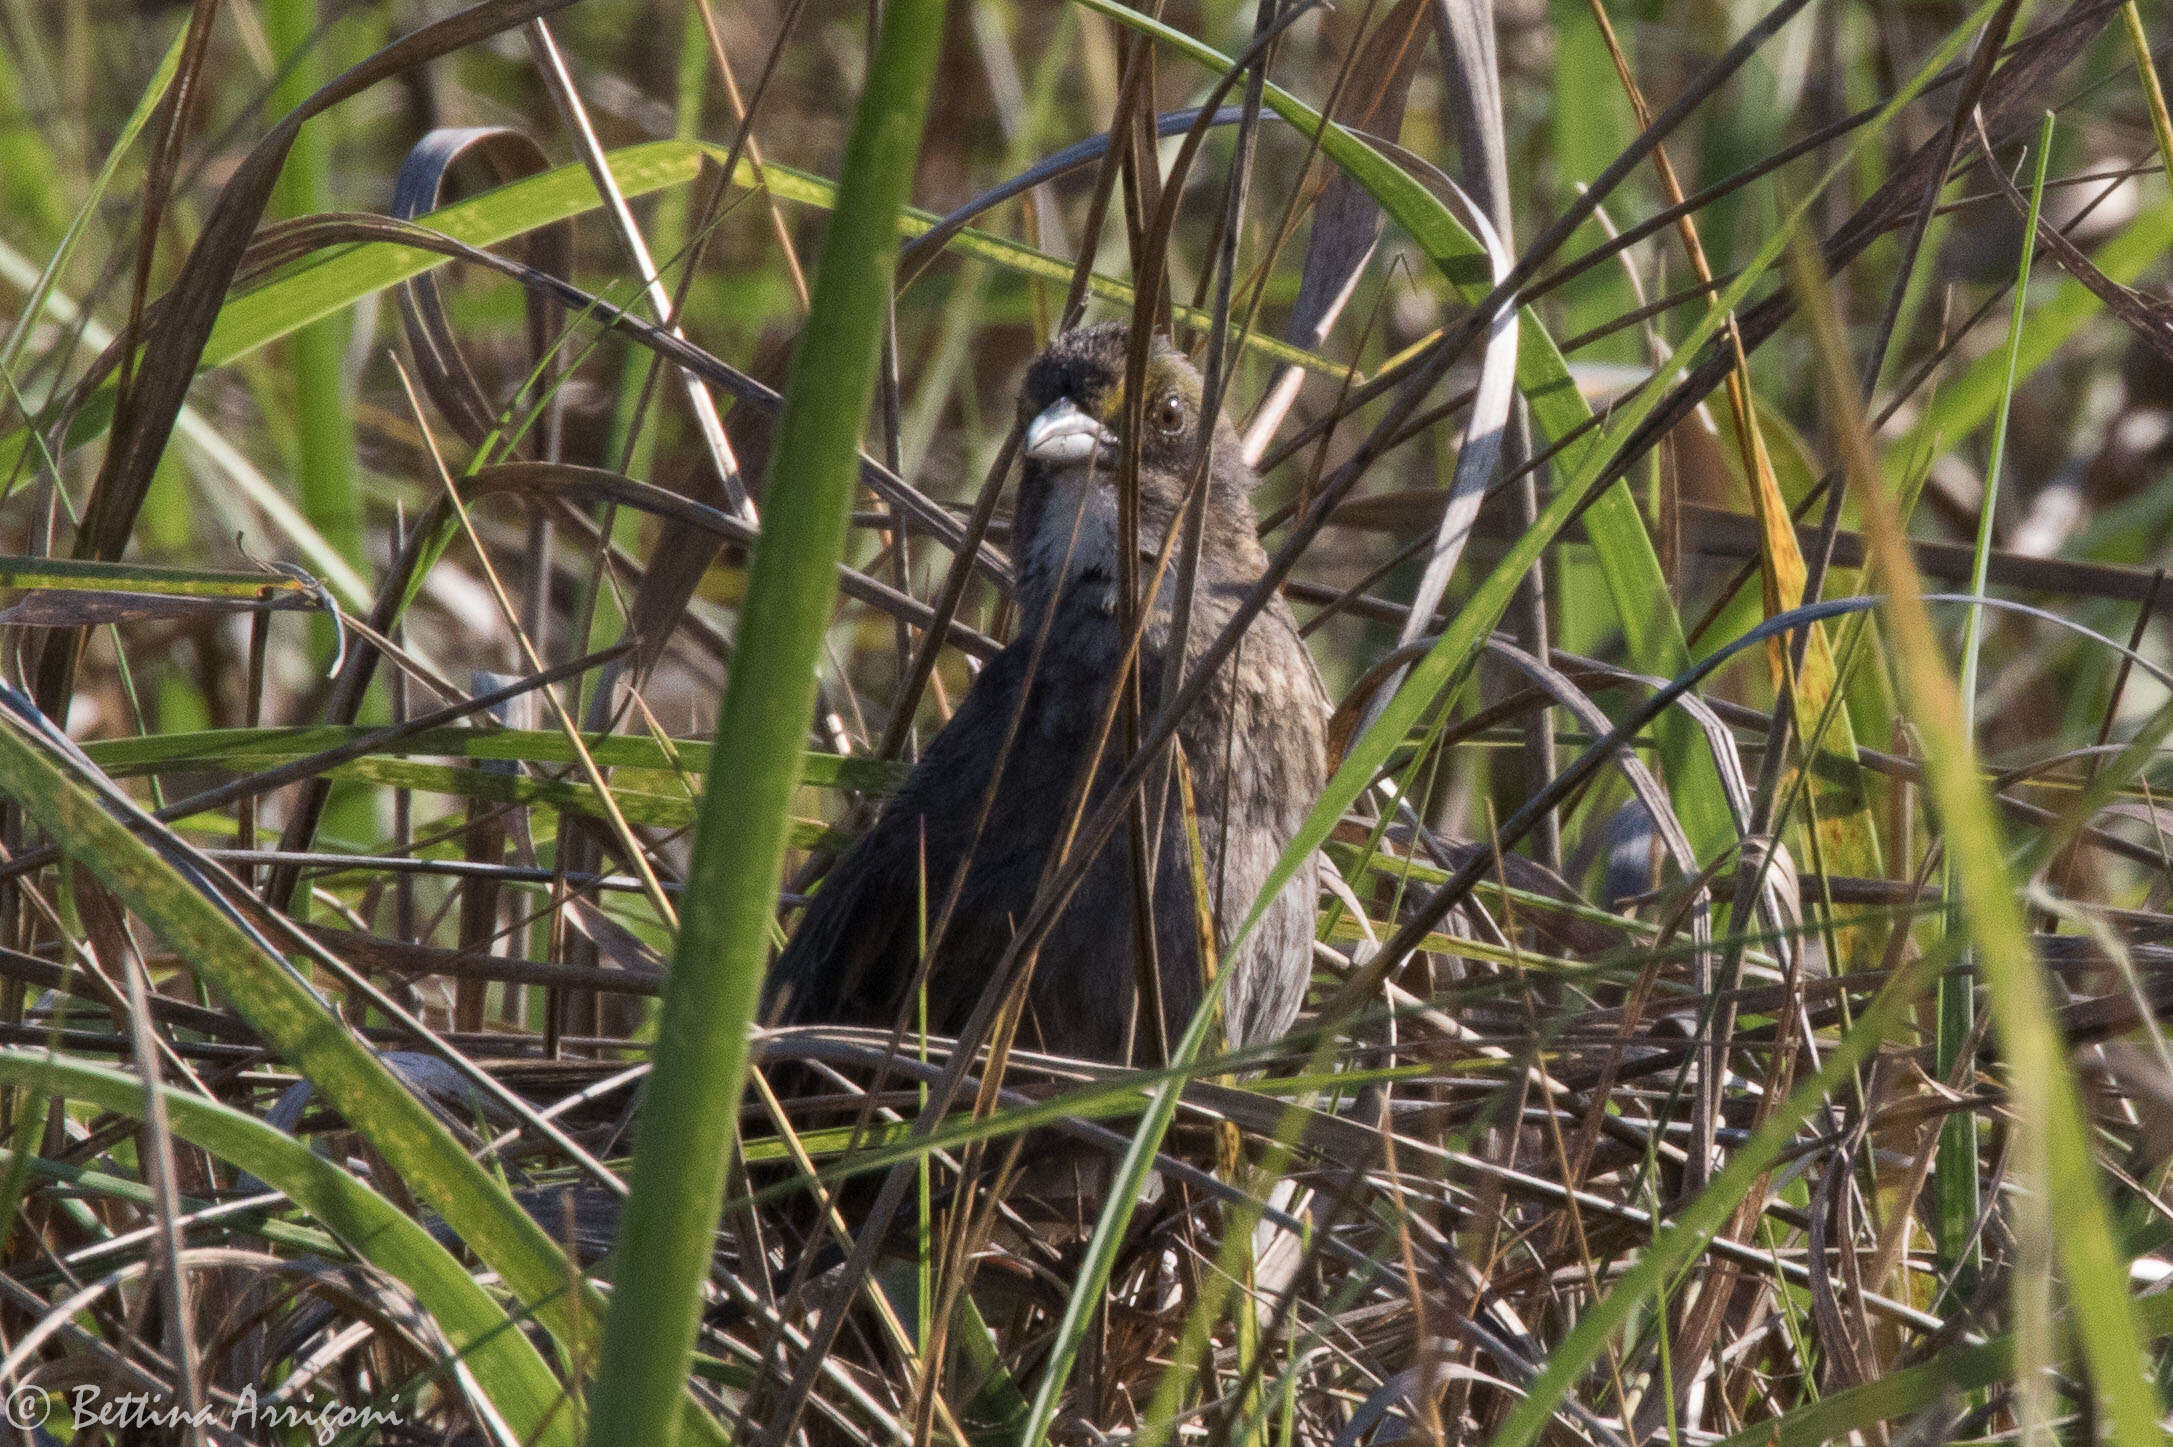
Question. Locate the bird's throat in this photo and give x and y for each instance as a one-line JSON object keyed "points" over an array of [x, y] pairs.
{"points": [[1072, 553]]}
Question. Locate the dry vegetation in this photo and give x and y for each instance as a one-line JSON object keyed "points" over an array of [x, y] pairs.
{"points": [[1718, 1061]]}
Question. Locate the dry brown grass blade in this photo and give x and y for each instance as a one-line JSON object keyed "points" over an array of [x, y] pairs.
{"points": [[1346, 221], [2149, 317], [171, 353], [2031, 63], [440, 367]]}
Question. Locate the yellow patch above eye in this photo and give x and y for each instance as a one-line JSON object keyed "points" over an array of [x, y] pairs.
{"points": [[1175, 378], [1161, 379]]}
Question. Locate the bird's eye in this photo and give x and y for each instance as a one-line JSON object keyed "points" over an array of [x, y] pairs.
{"points": [[1169, 414]]}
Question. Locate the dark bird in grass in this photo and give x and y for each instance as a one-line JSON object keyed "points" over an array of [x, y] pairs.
{"points": [[1252, 749]]}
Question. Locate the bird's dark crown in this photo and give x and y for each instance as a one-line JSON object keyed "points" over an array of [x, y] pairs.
{"points": [[1086, 364]]}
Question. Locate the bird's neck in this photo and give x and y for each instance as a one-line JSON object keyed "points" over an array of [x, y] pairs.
{"points": [[1069, 554]]}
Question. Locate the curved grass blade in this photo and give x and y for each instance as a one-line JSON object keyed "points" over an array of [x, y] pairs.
{"points": [[174, 350], [275, 1000], [502, 1361], [1652, 630], [341, 276]]}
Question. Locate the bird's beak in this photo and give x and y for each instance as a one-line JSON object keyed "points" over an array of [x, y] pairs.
{"points": [[1063, 433]]}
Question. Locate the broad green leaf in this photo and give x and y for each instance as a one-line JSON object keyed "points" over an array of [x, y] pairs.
{"points": [[340, 276], [71, 575], [241, 748]]}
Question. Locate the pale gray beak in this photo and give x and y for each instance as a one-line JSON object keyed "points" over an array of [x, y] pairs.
{"points": [[1062, 433]]}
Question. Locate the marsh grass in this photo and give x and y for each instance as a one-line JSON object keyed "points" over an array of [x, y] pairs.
{"points": [[1736, 1017]]}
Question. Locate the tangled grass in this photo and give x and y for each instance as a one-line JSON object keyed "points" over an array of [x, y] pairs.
{"points": [[1718, 460]]}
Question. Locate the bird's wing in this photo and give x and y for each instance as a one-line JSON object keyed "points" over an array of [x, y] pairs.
{"points": [[858, 945], [845, 940]]}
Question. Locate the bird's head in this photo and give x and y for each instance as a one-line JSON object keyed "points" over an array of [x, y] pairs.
{"points": [[1073, 398]]}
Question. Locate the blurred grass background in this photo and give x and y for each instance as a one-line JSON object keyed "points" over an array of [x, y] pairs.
{"points": [[1772, 1058]]}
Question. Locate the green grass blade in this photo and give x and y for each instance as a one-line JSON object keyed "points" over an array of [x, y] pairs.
{"points": [[276, 1002], [1956, 1198], [324, 429], [253, 748], [340, 276], [1652, 630], [1919, 1388], [504, 1363], [146, 106], [2053, 1150], [69, 575], [683, 1138]]}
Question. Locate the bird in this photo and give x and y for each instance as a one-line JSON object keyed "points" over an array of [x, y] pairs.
{"points": [[1253, 752]]}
